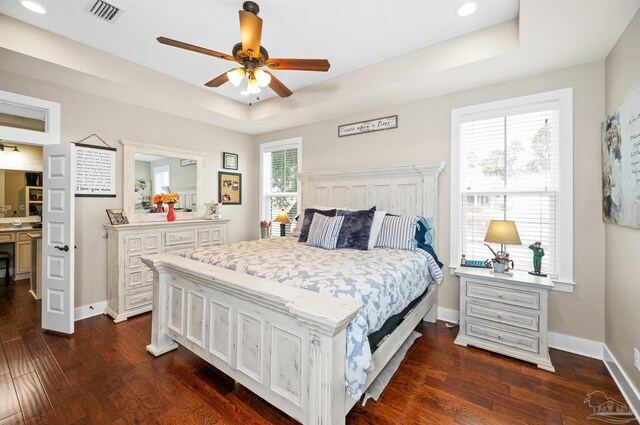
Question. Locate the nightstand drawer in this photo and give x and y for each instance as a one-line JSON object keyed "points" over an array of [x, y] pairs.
{"points": [[179, 237], [503, 337], [504, 295], [508, 317]]}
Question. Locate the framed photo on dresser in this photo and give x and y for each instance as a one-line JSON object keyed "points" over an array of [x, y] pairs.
{"points": [[229, 188]]}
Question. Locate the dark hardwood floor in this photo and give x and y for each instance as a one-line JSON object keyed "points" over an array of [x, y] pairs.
{"points": [[103, 375]]}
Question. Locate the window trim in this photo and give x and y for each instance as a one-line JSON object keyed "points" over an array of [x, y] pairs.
{"points": [[295, 142], [564, 97]]}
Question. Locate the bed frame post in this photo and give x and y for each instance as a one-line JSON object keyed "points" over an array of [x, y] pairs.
{"points": [[160, 342]]}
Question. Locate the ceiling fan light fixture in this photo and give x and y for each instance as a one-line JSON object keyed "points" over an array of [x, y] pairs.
{"points": [[235, 76], [253, 87], [264, 78], [467, 9], [244, 93]]}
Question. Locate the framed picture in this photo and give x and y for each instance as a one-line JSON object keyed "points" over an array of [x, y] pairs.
{"points": [[185, 162], [229, 161], [229, 188], [117, 216]]}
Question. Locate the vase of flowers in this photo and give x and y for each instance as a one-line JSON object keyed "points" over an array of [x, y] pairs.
{"points": [[158, 199], [265, 227], [170, 199]]}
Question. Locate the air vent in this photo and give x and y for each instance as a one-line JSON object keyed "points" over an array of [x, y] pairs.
{"points": [[103, 10]]}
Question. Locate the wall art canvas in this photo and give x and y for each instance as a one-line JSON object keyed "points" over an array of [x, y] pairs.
{"points": [[621, 165]]}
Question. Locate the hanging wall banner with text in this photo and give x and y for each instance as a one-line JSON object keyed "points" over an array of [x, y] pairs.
{"points": [[379, 124], [95, 171], [621, 165]]}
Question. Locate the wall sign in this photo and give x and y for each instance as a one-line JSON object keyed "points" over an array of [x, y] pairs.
{"points": [[379, 124], [95, 171], [621, 165]]}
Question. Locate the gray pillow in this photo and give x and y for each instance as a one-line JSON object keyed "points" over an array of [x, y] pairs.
{"points": [[356, 229]]}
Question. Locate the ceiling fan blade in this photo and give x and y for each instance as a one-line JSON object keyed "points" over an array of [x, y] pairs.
{"points": [[251, 31], [277, 86], [187, 46], [299, 64], [219, 80]]}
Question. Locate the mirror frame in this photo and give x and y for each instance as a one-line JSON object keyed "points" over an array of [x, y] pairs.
{"points": [[129, 151]]}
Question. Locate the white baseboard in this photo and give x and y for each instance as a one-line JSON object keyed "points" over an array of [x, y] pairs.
{"points": [[628, 390], [90, 310], [575, 345], [448, 315]]}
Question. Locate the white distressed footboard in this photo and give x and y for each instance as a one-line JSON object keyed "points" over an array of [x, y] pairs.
{"points": [[285, 344]]}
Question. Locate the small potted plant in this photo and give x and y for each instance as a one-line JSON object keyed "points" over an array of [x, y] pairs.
{"points": [[158, 199], [170, 199], [265, 227]]}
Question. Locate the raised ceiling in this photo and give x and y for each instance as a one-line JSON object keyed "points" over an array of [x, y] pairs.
{"points": [[357, 36]]}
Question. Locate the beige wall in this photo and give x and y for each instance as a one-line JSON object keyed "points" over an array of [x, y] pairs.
{"points": [[622, 245], [14, 183], [84, 114], [29, 157], [423, 135]]}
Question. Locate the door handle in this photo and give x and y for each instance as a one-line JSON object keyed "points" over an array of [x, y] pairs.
{"points": [[62, 248]]}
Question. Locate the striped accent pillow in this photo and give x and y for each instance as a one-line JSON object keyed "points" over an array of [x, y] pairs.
{"points": [[324, 231], [398, 233]]}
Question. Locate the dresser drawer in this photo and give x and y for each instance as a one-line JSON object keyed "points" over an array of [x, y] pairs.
{"points": [[135, 279], [508, 317], [145, 243], [504, 295], [503, 337], [7, 237], [137, 300], [180, 237], [210, 237], [179, 250]]}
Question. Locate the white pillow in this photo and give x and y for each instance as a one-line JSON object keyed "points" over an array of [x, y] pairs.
{"points": [[376, 226], [398, 233], [324, 231]]}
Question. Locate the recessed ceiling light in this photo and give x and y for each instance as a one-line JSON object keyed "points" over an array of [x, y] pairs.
{"points": [[34, 7], [467, 9]]}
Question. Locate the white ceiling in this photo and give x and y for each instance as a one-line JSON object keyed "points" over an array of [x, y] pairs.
{"points": [[547, 35], [351, 34]]}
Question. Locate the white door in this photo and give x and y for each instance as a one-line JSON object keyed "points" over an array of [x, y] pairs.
{"points": [[58, 238]]}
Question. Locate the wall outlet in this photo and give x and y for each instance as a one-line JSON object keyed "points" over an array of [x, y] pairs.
{"points": [[636, 358]]}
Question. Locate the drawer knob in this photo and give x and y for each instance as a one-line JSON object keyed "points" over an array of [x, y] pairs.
{"points": [[499, 336], [499, 316], [499, 295]]}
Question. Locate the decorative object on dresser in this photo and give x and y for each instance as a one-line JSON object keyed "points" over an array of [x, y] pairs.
{"points": [[286, 344], [503, 232], [505, 314], [213, 211], [129, 282], [538, 253], [283, 219], [229, 161], [170, 199], [229, 188], [117, 216], [265, 229]]}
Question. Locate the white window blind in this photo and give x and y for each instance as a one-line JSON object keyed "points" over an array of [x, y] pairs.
{"points": [[509, 163], [280, 163]]}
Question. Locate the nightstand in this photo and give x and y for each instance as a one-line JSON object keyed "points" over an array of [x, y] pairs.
{"points": [[506, 314]]}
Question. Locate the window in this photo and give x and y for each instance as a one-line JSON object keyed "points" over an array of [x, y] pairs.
{"points": [[512, 160], [161, 179], [279, 163]]}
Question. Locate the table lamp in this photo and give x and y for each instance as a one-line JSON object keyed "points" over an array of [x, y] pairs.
{"points": [[283, 219], [503, 232]]}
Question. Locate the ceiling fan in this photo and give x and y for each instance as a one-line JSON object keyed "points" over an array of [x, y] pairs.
{"points": [[252, 57]]}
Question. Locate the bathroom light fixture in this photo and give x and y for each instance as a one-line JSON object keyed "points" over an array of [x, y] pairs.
{"points": [[34, 7], [14, 148], [467, 9]]}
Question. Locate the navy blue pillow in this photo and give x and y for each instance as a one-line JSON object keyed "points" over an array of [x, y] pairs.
{"points": [[356, 229], [308, 218]]}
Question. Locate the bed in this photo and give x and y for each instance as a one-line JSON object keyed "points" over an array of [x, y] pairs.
{"points": [[287, 344]]}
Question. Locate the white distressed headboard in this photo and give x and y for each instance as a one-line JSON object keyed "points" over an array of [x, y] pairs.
{"points": [[403, 190]]}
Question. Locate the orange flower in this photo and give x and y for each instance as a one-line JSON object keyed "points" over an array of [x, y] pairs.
{"points": [[159, 198], [171, 198]]}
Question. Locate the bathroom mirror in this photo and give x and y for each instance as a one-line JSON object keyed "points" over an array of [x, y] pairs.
{"points": [[150, 169]]}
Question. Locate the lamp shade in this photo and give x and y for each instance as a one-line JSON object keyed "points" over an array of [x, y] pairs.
{"points": [[503, 232], [282, 218]]}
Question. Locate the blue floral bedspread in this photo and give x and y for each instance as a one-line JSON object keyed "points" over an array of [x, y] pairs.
{"points": [[384, 281]]}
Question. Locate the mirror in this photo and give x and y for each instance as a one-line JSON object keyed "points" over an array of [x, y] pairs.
{"points": [[150, 170]]}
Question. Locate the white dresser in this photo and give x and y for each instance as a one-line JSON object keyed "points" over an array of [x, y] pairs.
{"points": [[129, 281], [505, 314]]}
